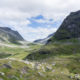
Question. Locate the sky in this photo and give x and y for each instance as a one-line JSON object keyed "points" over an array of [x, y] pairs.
{"points": [[35, 19]]}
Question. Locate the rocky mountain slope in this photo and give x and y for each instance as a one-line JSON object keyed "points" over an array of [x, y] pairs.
{"points": [[70, 28], [44, 41], [9, 35]]}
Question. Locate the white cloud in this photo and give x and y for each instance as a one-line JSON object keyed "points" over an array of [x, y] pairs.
{"points": [[38, 33], [16, 13]]}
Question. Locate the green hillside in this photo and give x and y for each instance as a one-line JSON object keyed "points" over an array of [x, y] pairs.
{"points": [[63, 57], [70, 28], [67, 47]]}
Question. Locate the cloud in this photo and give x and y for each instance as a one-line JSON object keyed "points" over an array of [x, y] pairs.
{"points": [[16, 14], [38, 33]]}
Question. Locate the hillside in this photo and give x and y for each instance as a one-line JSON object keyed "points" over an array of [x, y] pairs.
{"points": [[61, 60], [70, 28], [10, 36]]}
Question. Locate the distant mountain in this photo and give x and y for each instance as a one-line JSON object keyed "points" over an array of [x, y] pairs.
{"points": [[9, 35], [70, 28], [44, 41]]}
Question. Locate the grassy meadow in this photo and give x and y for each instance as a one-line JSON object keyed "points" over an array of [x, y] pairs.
{"points": [[56, 61]]}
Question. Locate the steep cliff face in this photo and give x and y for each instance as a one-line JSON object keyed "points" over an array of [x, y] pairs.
{"points": [[70, 27], [8, 35]]}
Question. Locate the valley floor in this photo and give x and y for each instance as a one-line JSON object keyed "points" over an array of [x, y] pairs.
{"points": [[59, 67]]}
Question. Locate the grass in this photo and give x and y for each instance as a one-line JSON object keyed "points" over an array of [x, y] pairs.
{"points": [[17, 52], [15, 72], [14, 52], [57, 61], [65, 55], [56, 49], [61, 71]]}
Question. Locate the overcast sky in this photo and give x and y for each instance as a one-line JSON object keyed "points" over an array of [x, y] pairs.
{"points": [[35, 19]]}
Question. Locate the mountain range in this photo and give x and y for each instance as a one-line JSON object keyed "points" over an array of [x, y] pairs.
{"points": [[44, 41]]}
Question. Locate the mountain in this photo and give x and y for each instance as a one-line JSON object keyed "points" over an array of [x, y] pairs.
{"points": [[44, 41], [70, 28], [9, 35]]}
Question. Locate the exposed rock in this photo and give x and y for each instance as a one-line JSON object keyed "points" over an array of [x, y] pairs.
{"points": [[43, 68], [53, 64], [62, 72], [1, 79], [9, 62], [48, 67], [53, 70], [36, 67], [7, 66], [24, 70], [77, 76], [41, 74], [2, 74]]}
